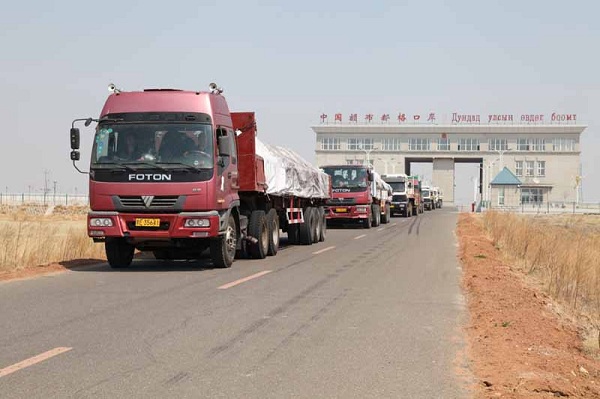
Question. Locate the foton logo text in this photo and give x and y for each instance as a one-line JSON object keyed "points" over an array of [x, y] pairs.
{"points": [[149, 177]]}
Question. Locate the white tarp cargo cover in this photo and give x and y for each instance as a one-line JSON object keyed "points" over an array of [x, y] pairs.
{"points": [[287, 173]]}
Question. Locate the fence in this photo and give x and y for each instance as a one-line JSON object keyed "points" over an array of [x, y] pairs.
{"points": [[548, 208], [43, 199]]}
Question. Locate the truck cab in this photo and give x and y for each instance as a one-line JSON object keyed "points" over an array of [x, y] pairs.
{"points": [[427, 195]]}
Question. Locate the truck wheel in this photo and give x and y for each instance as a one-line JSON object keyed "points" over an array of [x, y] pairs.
{"points": [[258, 229], [376, 215], [317, 225], [273, 223], [323, 220], [385, 218], [306, 229], [368, 222], [119, 253], [222, 249]]}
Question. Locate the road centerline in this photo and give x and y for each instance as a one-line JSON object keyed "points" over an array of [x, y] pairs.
{"points": [[360, 236], [33, 360], [243, 280], [323, 250]]}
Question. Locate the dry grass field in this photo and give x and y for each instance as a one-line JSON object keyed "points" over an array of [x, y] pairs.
{"points": [[562, 252], [29, 237]]}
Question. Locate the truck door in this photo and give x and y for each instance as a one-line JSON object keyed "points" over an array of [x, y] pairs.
{"points": [[227, 173]]}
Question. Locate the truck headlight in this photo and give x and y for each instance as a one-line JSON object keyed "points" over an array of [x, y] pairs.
{"points": [[197, 223], [361, 208], [101, 222]]}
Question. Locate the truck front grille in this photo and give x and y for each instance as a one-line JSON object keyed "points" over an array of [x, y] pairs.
{"points": [[149, 202]]}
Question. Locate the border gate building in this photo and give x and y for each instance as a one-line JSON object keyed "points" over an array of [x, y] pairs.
{"points": [[542, 152]]}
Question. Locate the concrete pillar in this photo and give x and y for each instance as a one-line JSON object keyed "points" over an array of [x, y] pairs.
{"points": [[443, 177]]}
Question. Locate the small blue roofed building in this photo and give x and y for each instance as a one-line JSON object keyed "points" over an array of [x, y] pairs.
{"points": [[505, 190]]}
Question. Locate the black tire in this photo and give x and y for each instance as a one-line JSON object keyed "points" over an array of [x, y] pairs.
{"points": [[119, 253], [323, 219], [317, 225], [376, 215], [273, 224], [223, 248], [306, 229], [385, 218], [258, 228], [368, 221]]}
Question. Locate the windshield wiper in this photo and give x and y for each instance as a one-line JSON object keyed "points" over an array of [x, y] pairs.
{"points": [[185, 166], [121, 165], [151, 164]]}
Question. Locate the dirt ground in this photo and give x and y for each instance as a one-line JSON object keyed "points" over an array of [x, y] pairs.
{"points": [[519, 346]]}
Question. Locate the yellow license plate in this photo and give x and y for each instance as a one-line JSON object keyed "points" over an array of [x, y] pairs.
{"points": [[341, 210], [145, 222]]}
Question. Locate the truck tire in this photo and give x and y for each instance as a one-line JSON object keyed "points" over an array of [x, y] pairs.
{"points": [[376, 215], [258, 228], [119, 253], [386, 217], [323, 219], [223, 248], [368, 221], [317, 225], [273, 223], [305, 233]]}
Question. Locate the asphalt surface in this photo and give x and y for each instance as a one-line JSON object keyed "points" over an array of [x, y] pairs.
{"points": [[379, 315]]}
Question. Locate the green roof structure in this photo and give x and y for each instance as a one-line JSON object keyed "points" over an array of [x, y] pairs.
{"points": [[506, 178]]}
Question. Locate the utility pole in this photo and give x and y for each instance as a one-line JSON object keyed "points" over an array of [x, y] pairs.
{"points": [[54, 195], [46, 173]]}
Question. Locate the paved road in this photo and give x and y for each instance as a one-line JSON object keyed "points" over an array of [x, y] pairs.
{"points": [[366, 314]]}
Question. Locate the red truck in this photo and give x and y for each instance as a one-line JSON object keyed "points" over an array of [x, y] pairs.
{"points": [[359, 195], [176, 173]]}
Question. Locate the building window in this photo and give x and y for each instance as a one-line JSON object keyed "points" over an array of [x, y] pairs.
{"points": [[419, 144], [532, 196], [357, 144], [528, 168], [561, 144], [519, 168], [537, 144], [522, 145], [443, 144], [390, 144], [330, 143], [468, 144], [498, 144], [541, 168], [501, 196]]}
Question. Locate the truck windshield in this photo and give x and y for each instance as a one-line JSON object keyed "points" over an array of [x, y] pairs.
{"points": [[347, 177], [425, 193], [398, 187], [154, 145]]}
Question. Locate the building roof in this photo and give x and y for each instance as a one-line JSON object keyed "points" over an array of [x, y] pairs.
{"points": [[506, 178]]}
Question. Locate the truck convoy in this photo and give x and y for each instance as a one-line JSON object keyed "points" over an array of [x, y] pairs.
{"points": [[175, 173], [359, 195], [406, 194]]}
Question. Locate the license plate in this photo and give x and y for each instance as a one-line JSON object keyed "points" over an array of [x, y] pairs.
{"points": [[145, 222], [341, 210], [392, 206]]}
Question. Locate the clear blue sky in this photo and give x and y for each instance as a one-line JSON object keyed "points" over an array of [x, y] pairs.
{"points": [[289, 61]]}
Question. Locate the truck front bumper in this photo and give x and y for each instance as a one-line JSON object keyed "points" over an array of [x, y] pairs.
{"points": [[397, 208], [346, 213], [143, 226]]}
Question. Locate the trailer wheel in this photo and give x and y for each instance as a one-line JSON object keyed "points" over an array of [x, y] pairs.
{"points": [[385, 218], [317, 225], [119, 253], [376, 215], [323, 220], [273, 223], [258, 228], [293, 233], [305, 233], [368, 221], [222, 249]]}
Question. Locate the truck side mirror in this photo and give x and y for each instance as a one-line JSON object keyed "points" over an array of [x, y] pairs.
{"points": [[224, 147], [75, 155], [74, 138], [370, 176]]}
